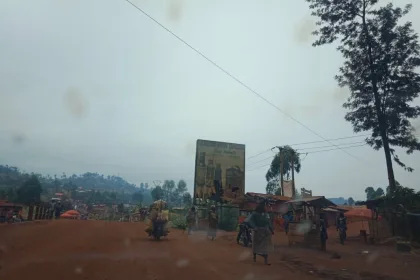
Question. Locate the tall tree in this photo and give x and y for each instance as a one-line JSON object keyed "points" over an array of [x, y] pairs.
{"points": [[187, 199], [137, 197], [181, 187], [381, 57], [168, 188], [157, 193], [371, 193], [379, 192], [30, 191], [273, 174], [350, 201]]}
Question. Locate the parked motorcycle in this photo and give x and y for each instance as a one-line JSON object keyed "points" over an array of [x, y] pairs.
{"points": [[246, 236]]}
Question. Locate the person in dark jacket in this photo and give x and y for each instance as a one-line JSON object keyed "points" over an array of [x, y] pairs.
{"points": [[213, 219], [287, 219], [342, 224], [323, 232]]}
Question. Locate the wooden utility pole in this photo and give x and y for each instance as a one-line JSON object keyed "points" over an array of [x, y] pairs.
{"points": [[281, 170], [293, 176]]}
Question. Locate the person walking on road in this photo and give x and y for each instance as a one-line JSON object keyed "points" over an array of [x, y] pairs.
{"points": [[191, 218], [342, 227], [287, 219], [323, 232], [262, 233], [213, 219]]}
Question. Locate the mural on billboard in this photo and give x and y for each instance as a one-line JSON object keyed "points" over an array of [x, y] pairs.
{"points": [[219, 166]]}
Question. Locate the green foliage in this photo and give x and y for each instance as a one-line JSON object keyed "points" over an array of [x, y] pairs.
{"points": [[92, 188], [273, 173], [30, 191], [157, 193], [350, 201], [380, 61], [178, 221], [407, 197], [371, 193], [228, 218], [120, 208], [187, 199], [172, 193], [137, 197]]}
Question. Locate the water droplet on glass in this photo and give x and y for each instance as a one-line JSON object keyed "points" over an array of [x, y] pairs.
{"points": [[249, 276], [182, 263], [244, 255], [78, 270]]}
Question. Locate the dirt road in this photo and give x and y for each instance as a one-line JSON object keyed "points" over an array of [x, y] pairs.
{"points": [[72, 249], [104, 250]]}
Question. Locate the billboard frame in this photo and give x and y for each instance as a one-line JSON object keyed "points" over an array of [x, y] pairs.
{"points": [[196, 164]]}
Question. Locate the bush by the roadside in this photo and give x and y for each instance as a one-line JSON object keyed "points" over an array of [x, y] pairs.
{"points": [[178, 221]]}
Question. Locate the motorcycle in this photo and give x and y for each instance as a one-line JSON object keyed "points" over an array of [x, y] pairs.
{"points": [[246, 236], [159, 229]]}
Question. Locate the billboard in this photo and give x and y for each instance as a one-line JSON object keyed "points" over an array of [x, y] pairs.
{"points": [[288, 188], [218, 166]]}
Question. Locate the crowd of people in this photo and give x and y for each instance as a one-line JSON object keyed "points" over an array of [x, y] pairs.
{"points": [[258, 223]]}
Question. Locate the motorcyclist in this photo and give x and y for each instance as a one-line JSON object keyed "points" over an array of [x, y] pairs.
{"points": [[158, 212], [342, 224]]}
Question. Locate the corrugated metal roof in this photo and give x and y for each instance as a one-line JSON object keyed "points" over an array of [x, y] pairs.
{"points": [[314, 200], [268, 196], [9, 204]]}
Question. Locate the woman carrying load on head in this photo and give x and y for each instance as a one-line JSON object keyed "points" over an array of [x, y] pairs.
{"points": [[262, 233]]}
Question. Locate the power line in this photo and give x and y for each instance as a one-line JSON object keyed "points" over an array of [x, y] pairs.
{"points": [[328, 146], [313, 142], [314, 152], [263, 152], [237, 80], [344, 145], [253, 163], [321, 141], [321, 151]]}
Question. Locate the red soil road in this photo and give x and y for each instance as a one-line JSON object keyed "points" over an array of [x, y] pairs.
{"points": [[72, 249]]}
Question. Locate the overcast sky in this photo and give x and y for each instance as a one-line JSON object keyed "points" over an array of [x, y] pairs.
{"points": [[94, 85]]}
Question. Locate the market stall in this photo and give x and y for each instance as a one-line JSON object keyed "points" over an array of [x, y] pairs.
{"points": [[304, 228]]}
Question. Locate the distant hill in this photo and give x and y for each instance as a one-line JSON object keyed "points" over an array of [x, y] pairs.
{"points": [[11, 176], [338, 200]]}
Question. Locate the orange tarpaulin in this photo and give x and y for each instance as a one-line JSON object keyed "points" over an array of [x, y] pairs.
{"points": [[359, 213], [66, 216], [72, 213]]}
